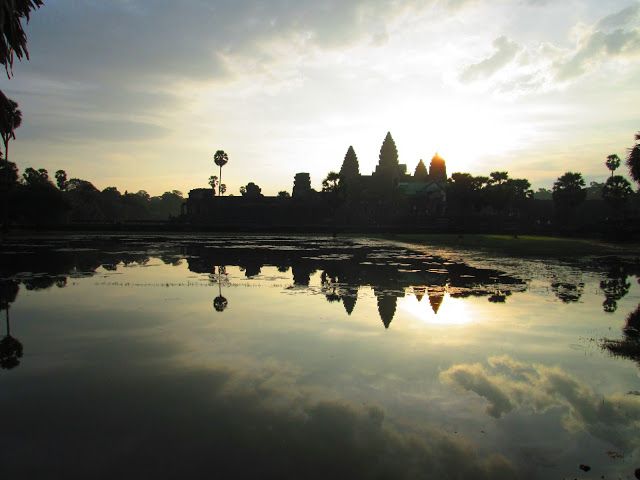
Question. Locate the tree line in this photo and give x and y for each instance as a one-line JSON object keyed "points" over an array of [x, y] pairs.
{"points": [[34, 198]]}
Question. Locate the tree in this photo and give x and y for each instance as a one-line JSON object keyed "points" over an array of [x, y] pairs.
{"points": [[542, 194], [498, 178], [10, 120], [220, 158], [569, 190], [61, 179], [331, 184], [13, 39], [284, 194], [223, 189], [350, 168], [463, 191], [633, 160], [33, 177], [612, 162], [616, 191], [421, 174], [251, 190], [213, 183]]}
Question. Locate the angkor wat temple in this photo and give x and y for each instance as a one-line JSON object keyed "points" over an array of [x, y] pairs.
{"points": [[389, 196]]}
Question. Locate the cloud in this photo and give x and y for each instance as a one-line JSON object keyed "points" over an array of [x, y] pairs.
{"points": [[621, 18], [596, 47], [506, 51], [508, 384], [126, 419]]}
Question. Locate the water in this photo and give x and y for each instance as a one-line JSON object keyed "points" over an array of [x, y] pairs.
{"points": [[300, 357]]}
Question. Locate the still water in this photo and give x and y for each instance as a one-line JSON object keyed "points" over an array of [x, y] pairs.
{"points": [[314, 357]]}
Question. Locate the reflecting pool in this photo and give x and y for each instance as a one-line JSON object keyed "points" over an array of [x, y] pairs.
{"points": [[314, 357]]}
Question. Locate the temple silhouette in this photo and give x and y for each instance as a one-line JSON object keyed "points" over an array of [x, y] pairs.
{"points": [[390, 195]]}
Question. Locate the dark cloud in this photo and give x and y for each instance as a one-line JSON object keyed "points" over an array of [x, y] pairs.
{"points": [[65, 128], [506, 51]]}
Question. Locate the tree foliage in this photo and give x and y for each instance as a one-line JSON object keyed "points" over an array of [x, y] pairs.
{"points": [[251, 190], [633, 160], [612, 162], [13, 39], [616, 191], [61, 179], [10, 120], [569, 190], [331, 184]]}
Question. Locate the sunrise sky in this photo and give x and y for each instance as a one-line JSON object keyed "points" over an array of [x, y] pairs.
{"points": [[140, 93]]}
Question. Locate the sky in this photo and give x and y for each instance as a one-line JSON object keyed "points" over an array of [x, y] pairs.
{"points": [[139, 94]]}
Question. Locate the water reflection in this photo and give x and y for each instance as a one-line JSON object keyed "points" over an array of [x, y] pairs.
{"points": [[10, 347], [324, 372], [629, 346]]}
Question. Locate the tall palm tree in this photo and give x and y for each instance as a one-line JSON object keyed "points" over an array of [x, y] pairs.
{"points": [[220, 158], [10, 120], [612, 162]]}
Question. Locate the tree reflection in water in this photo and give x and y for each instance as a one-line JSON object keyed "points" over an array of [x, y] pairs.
{"points": [[220, 303], [10, 347]]}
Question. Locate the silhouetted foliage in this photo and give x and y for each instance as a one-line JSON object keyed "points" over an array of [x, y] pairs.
{"points": [[569, 191], [616, 191], [251, 190], [8, 175], [612, 162], [594, 191], [284, 194], [331, 184], [61, 179], [614, 288], [213, 183], [10, 121], [633, 160], [629, 346], [463, 191], [220, 158], [543, 194], [13, 39]]}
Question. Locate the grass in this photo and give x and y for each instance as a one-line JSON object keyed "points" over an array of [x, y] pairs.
{"points": [[525, 245]]}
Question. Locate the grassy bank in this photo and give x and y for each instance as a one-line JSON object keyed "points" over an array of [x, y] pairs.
{"points": [[526, 245]]}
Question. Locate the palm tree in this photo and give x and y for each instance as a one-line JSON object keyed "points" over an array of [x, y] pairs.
{"points": [[220, 158], [10, 120], [220, 303], [616, 192], [612, 162], [13, 39], [633, 160], [213, 181]]}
